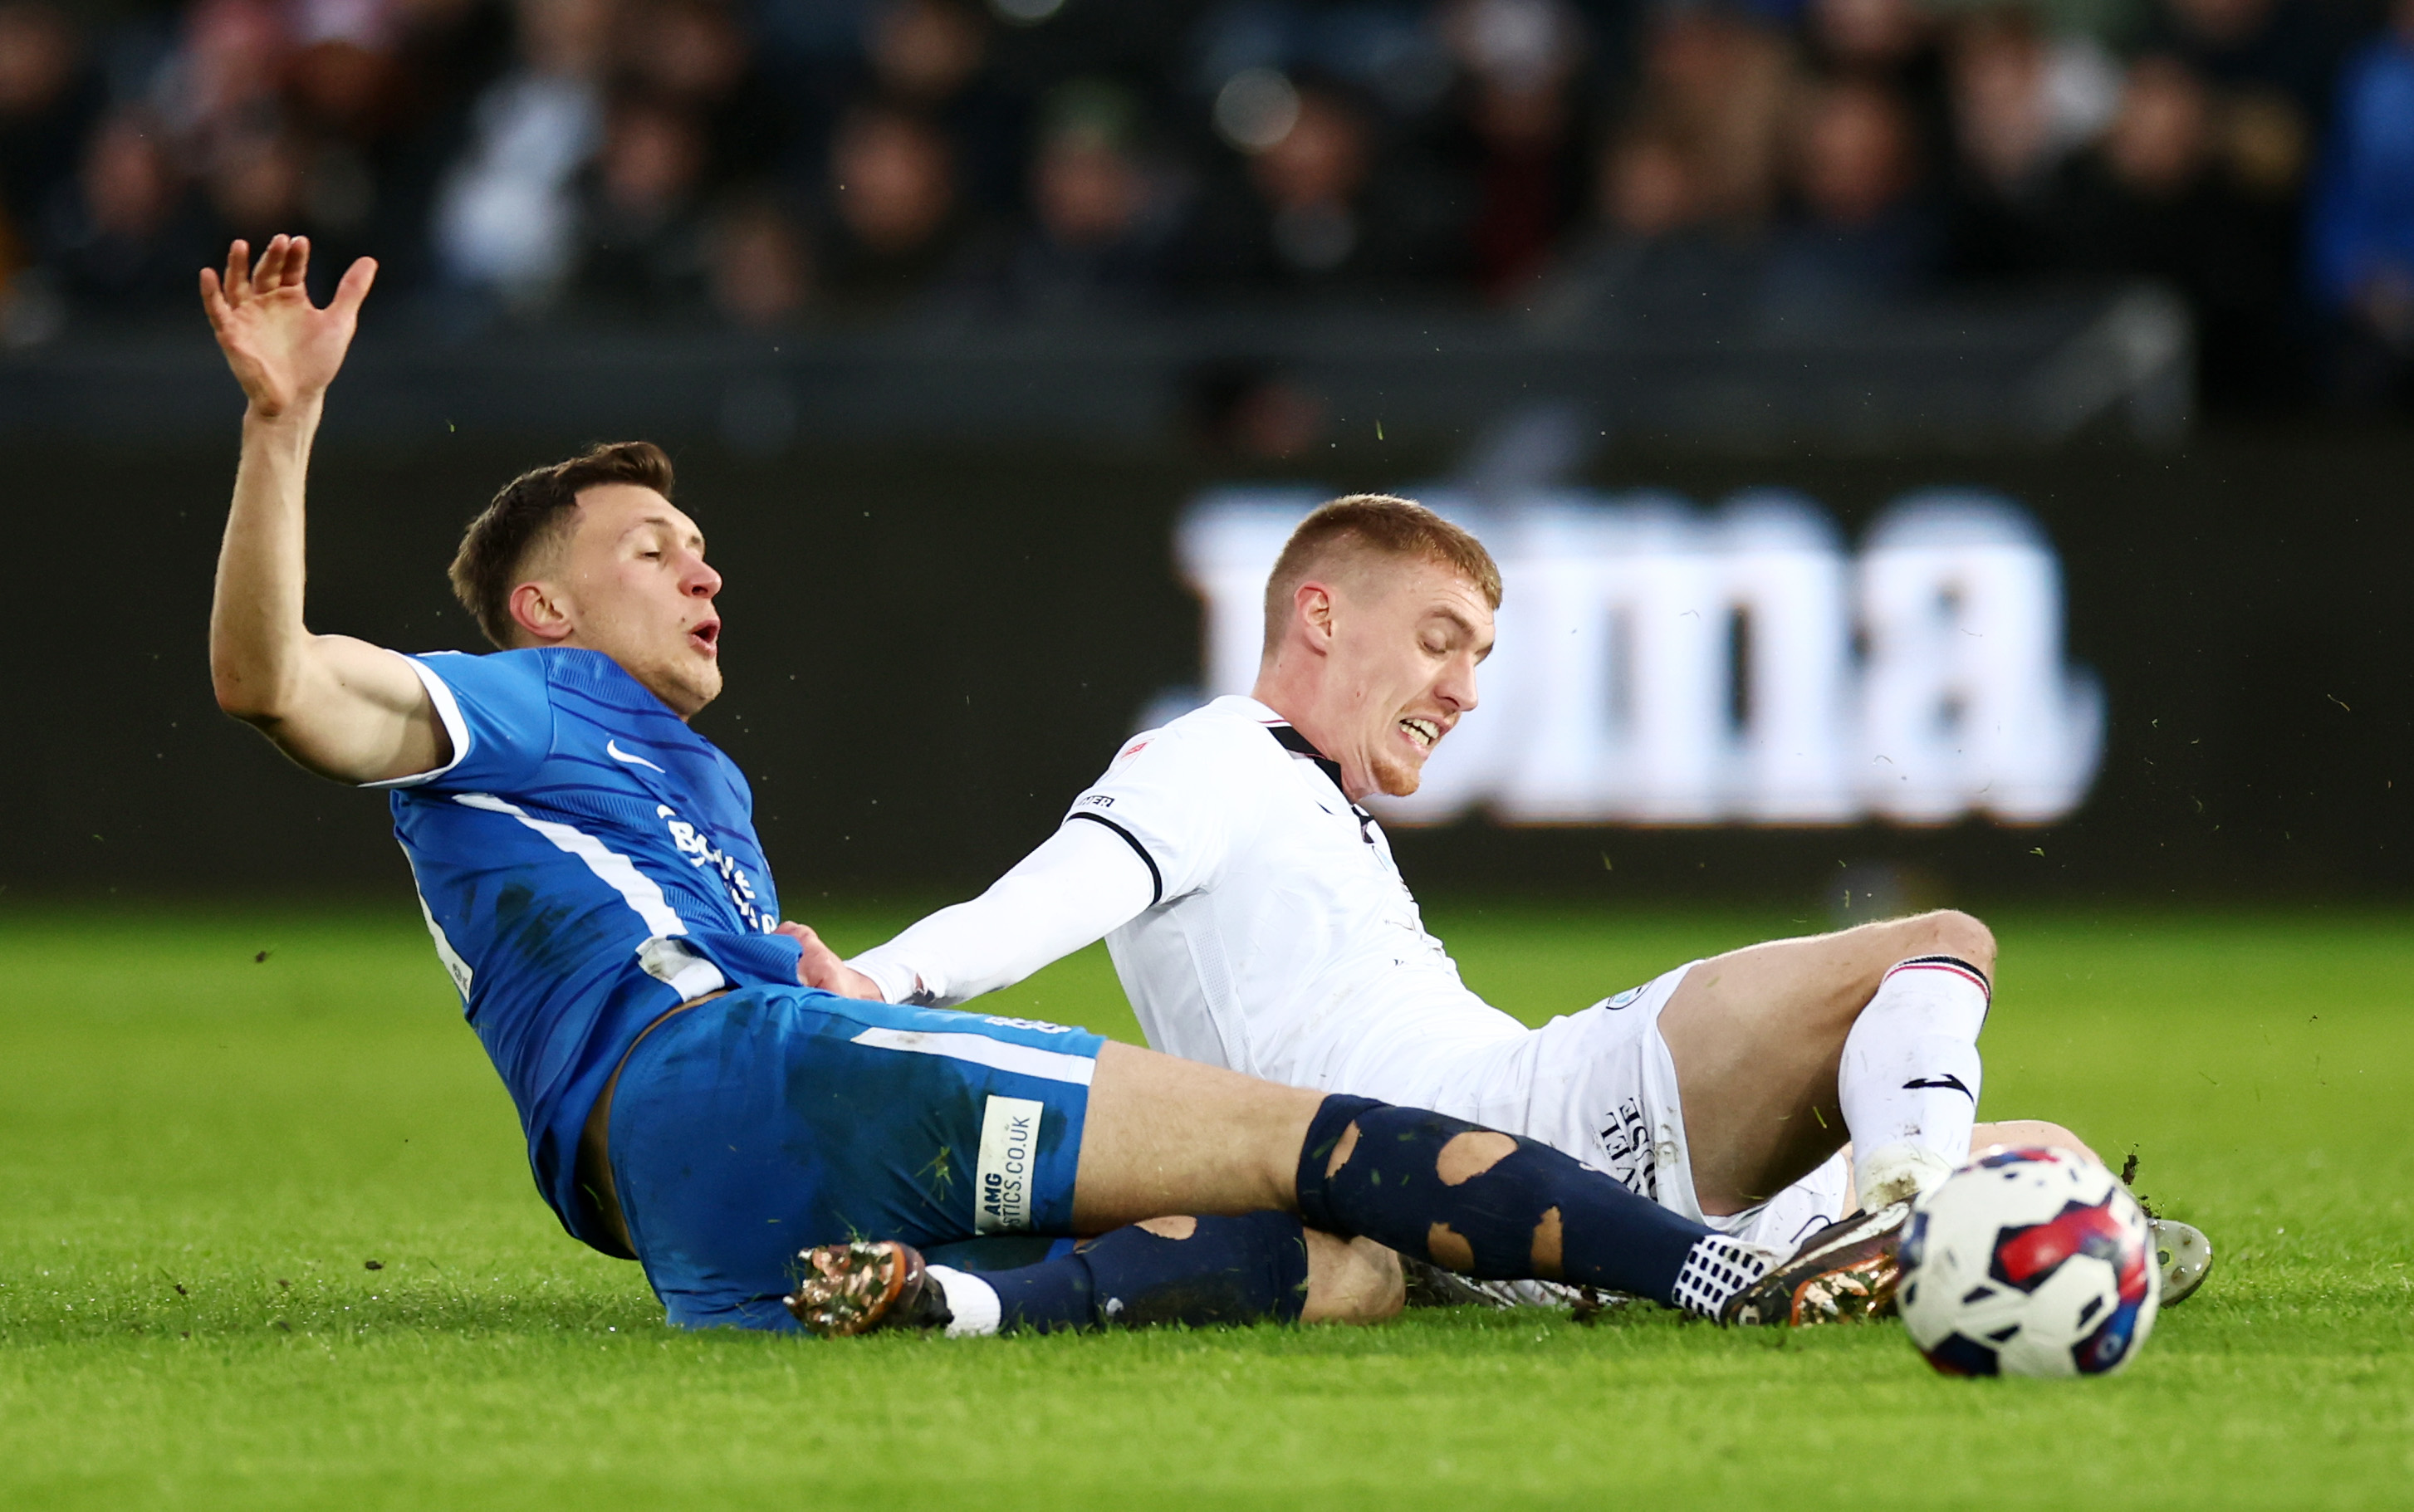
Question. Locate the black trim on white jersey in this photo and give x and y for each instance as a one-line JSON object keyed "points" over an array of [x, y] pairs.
{"points": [[1291, 740], [1155, 877]]}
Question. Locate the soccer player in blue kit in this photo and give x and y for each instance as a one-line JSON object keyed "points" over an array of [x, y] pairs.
{"points": [[776, 1156]]}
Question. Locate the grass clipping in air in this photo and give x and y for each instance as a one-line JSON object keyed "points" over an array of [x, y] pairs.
{"points": [[267, 1240]]}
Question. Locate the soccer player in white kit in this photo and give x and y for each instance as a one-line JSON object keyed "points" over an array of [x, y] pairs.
{"points": [[1258, 922], [693, 1104]]}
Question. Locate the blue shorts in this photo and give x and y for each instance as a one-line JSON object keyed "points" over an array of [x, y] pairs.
{"points": [[775, 1118]]}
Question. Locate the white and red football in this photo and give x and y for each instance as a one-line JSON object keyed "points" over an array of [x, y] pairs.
{"points": [[2029, 1262]]}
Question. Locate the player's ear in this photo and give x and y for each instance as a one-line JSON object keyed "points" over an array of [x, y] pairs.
{"points": [[1313, 605], [535, 610]]}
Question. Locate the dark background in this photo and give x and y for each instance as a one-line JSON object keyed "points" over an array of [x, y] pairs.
{"points": [[931, 646], [947, 308]]}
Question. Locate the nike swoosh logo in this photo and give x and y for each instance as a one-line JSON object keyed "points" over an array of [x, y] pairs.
{"points": [[1947, 1082], [619, 755]]}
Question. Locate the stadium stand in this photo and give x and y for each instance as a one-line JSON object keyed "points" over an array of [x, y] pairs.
{"points": [[838, 165]]}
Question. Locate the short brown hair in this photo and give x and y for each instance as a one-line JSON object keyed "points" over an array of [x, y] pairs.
{"points": [[529, 513], [1378, 523]]}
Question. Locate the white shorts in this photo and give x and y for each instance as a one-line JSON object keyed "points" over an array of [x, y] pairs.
{"points": [[1600, 1086]]}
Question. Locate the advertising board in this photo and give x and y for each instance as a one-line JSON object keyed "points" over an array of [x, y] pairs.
{"points": [[1663, 664]]}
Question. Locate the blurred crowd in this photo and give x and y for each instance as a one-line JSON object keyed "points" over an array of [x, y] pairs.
{"points": [[1577, 164]]}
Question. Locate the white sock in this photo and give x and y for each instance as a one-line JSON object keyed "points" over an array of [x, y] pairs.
{"points": [[1909, 1082], [973, 1300]]}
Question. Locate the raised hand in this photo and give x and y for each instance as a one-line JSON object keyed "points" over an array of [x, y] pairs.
{"points": [[284, 349]]}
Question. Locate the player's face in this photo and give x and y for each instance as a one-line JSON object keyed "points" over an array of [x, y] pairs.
{"points": [[635, 587], [1407, 640]]}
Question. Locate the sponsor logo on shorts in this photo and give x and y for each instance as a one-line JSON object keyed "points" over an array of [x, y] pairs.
{"points": [[1001, 1180], [1037, 1026], [1613, 1004], [1627, 1150], [1097, 800]]}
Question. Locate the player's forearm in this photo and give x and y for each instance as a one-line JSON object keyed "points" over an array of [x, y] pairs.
{"points": [[259, 643], [341, 707], [1081, 885]]}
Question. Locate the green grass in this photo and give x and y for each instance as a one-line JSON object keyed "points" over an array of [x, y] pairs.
{"points": [[202, 1151]]}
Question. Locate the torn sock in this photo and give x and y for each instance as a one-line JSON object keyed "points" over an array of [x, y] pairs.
{"points": [[1221, 1271], [1482, 1203]]}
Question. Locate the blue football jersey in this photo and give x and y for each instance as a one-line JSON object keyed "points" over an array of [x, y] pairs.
{"points": [[586, 862]]}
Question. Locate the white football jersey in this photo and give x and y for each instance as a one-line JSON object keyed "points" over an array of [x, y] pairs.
{"points": [[1281, 941], [1258, 922]]}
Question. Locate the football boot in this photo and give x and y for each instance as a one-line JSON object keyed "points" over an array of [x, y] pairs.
{"points": [[1847, 1270], [1430, 1285], [860, 1286], [2186, 1256]]}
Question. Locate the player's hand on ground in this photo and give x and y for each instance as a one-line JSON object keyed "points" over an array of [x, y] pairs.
{"points": [[284, 349], [819, 966]]}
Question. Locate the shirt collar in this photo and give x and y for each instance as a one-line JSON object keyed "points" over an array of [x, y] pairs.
{"points": [[1291, 740]]}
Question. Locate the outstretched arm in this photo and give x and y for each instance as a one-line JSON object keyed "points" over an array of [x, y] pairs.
{"points": [[342, 707], [1083, 883]]}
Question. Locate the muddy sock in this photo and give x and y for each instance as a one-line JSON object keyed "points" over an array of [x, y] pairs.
{"points": [[1221, 1271], [1909, 1079], [1484, 1204]]}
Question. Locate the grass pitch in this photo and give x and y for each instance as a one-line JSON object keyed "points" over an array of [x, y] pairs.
{"points": [[267, 1240]]}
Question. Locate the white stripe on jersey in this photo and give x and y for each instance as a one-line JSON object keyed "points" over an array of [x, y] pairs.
{"points": [[448, 713], [462, 976], [1003, 1054], [679, 969]]}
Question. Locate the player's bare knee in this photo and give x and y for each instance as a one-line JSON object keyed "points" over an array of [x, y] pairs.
{"points": [[1948, 932], [1351, 1280], [1180, 1226], [2033, 1132], [1386, 1291]]}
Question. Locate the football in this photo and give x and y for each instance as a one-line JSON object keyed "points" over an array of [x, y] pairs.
{"points": [[2029, 1262]]}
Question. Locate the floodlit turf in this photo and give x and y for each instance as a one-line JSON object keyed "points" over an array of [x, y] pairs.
{"points": [[267, 1240]]}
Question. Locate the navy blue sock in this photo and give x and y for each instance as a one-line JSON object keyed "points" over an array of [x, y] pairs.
{"points": [[1495, 1207], [1246, 1269]]}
